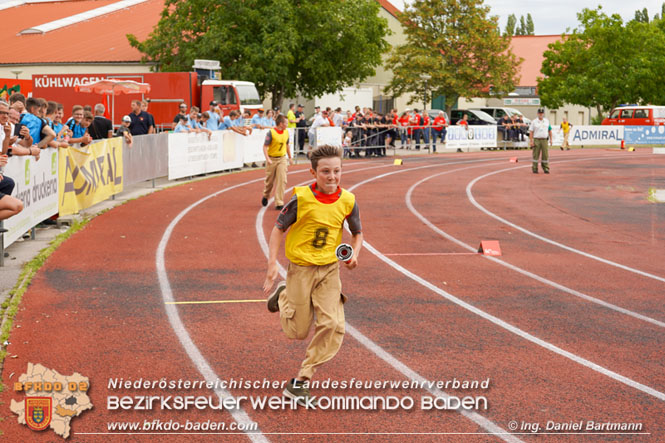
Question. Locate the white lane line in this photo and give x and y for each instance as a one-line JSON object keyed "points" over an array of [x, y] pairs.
{"points": [[501, 323], [501, 262], [377, 350], [204, 368], [178, 327], [545, 239]]}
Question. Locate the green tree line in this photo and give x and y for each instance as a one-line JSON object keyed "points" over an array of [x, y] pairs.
{"points": [[606, 62]]}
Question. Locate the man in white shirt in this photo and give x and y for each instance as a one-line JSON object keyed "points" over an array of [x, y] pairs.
{"points": [[539, 132], [319, 121]]}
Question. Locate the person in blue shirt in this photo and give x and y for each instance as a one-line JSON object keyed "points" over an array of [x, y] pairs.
{"points": [[40, 132], [236, 124], [269, 121], [213, 117], [258, 120], [193, 118], [182, 125]]}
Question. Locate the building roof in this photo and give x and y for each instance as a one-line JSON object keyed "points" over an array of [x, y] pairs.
{"points": [[97, 40], [100, 39], [531, 48], [389, 7]]}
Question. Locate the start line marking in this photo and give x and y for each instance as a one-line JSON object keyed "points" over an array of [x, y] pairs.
{"points": [[211, 301]]}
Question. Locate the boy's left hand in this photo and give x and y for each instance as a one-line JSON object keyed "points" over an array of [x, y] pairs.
{"points": [[352, 263]]}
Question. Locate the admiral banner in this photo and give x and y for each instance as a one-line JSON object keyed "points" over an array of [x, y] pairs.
{"points": [[89, 175], [595, 135], [459, 137], [644, 135], [37, 187]]}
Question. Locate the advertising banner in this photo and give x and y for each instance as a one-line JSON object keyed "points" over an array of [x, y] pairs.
{"points": [[644, 135], [36, 185], [595, 135], [89, 175], [329, 136], [251, 145], [459, 137], [192, 154]]}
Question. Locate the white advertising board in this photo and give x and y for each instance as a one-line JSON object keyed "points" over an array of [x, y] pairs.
{"points": [[36, 185], [459, 137]]}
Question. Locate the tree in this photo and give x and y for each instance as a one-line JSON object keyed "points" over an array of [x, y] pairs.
{"points": [[510, 25], [604, 63], [530, 28], [458, 45], [642, 16], [285, 47], [523, 30]]}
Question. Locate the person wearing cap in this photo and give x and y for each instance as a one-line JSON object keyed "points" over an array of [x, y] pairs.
{"points": [[123, 130], [317, 113], [213, 116], [182, 126], [539, 132], [320, 120], [182, 110]]}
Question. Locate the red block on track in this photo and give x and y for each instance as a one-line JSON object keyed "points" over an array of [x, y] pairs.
{"points": [[490, 247]]}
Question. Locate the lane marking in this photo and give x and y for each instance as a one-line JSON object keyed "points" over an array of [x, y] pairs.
{"points": [[195, 355], [428, 254], [409, 373], [205, 302], [545, 239], [497, 321], [522, 271]]}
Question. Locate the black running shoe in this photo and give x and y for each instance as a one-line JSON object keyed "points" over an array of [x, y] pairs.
{"points": [[273, 300]]}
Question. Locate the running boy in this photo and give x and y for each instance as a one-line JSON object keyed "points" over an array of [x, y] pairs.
{"points": [[316, 215]]}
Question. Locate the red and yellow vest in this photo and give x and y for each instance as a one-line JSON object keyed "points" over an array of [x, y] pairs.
{"points": [[317, 230], [277, 147]]}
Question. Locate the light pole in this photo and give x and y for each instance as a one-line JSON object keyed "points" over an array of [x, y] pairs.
{"points": [[425, 78], [16, 73]]}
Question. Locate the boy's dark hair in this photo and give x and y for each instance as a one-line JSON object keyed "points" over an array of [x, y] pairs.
{"points": [[280, 119], [31, 103], [51, 108], [87, 115], [324, 151], [182, 118], [17, 97]]}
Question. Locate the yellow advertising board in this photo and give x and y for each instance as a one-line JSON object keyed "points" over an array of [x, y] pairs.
{"points": [[89, 175]]}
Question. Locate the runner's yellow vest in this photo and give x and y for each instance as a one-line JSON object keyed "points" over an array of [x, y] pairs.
{"points": [[317, 231], [565, 126], [278, 144]]}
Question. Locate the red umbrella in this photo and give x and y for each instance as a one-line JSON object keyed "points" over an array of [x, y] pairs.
{"points": [[112, 87]]}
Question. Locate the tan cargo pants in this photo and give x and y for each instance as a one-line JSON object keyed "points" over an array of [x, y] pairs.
{"points": [[276, 177], [313, 290]]}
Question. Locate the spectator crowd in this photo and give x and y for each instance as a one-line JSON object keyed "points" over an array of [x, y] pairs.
{"points": [[32, 124]]}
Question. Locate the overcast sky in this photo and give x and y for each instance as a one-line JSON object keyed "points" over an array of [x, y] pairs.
{"points": [[554, 16]]}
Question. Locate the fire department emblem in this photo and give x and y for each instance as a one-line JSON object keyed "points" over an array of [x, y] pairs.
{"points": [[38, 412]]}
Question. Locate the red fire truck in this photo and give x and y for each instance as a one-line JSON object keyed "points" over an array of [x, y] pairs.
{"points": [[167, 91]]}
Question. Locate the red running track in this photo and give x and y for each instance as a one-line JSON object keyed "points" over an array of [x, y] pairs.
{"points": [[561, 337]]}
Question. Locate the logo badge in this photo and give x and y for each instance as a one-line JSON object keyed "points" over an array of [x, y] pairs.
{"points": [[38, 412]]}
